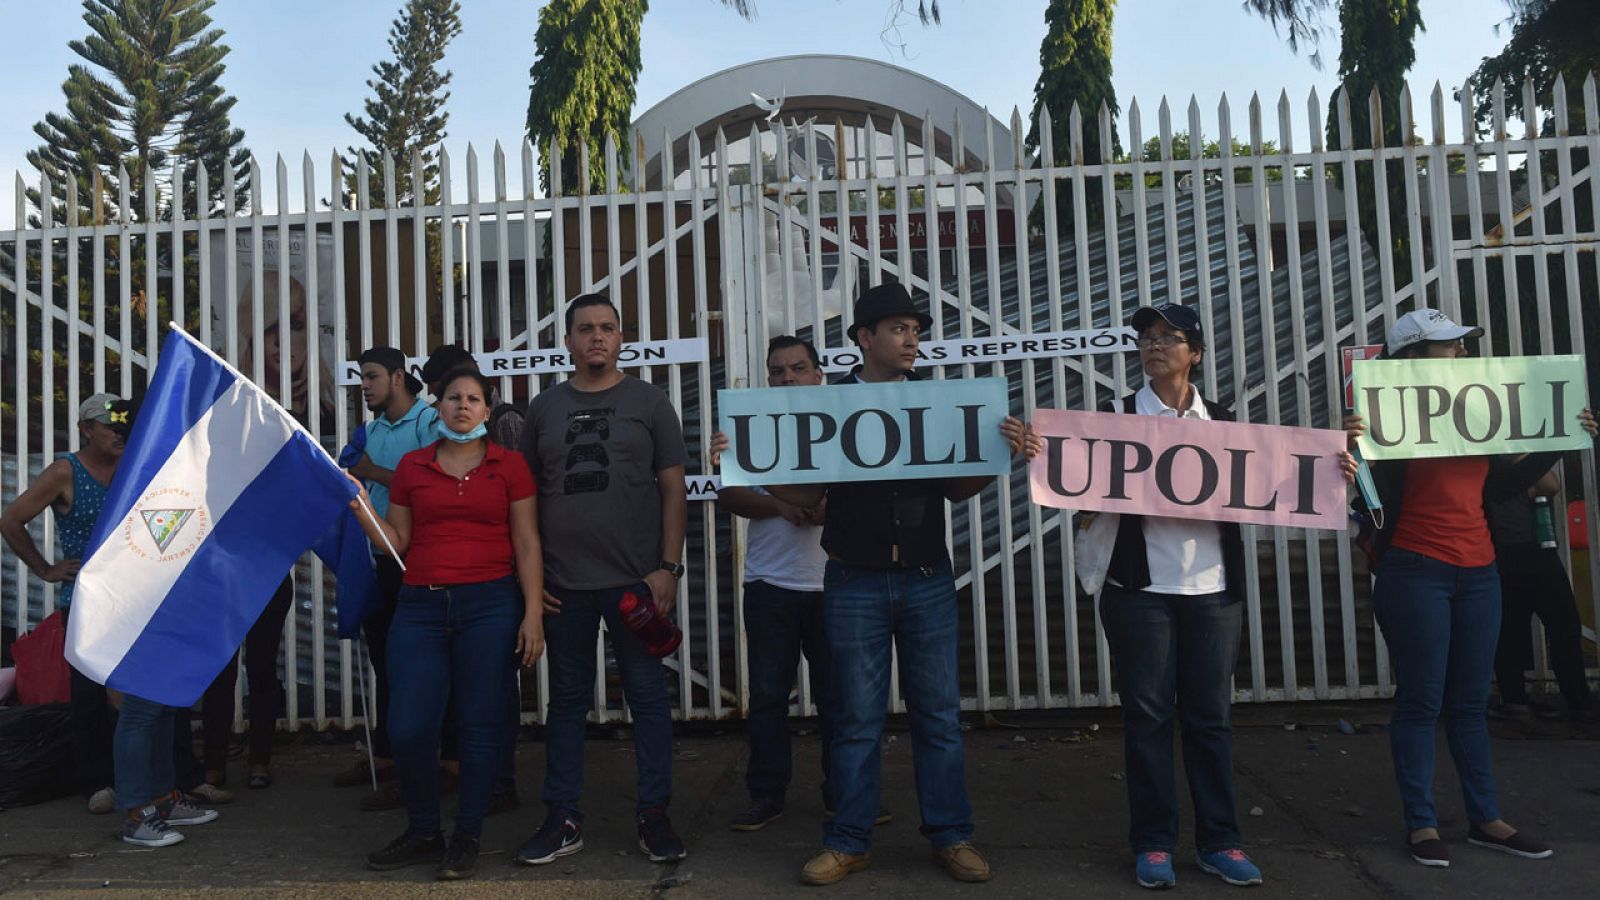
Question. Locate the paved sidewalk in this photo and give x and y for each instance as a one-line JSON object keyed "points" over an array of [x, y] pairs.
{"points": [[1318, 808]]}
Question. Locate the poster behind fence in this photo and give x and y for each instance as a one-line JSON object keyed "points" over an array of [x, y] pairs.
{"points": [[1470, 407], [278, 333], [1189, 468], [864, 432]]}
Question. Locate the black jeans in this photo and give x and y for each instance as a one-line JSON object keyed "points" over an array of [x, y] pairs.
{"points": [[780, 624], [1174, 659], [261, 669], [1533, 583], [376, 628]]}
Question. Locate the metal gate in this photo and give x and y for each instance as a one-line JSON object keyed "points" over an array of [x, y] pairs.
{"points": [[725, 244]]}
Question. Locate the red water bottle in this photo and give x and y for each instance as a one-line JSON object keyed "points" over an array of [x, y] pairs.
{"points": [[659, 635]]}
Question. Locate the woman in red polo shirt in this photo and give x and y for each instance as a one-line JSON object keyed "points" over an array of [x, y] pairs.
{"points": [[462, 514], [1436, 594]]}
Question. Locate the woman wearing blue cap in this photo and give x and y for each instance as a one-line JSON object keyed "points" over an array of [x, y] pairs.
{"points": [[1172, 614]]}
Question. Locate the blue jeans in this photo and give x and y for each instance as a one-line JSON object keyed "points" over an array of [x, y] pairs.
{"points": [[864, 612], [779, 624], [1175, 656], [451, 645], [1441, 623], [142, 752], [570, 638]]}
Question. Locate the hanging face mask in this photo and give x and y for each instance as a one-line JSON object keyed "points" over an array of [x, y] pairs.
{"points": [[1369, 491], [450, 435]]}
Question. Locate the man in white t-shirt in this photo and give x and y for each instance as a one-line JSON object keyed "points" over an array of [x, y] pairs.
{"points": [[782, 611]]}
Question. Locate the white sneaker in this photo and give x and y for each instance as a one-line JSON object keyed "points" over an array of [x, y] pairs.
{"points": [[150, 830], [102, 801]]}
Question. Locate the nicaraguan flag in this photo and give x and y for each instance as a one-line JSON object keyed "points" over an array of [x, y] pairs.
{"points": [[218, 493]]}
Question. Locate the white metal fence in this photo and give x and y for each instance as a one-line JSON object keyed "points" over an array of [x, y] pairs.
{"points": [[745, 240]]}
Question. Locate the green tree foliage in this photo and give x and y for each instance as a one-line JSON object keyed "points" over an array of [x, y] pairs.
{"points": [[147, 93], [1075, 67], [584, 83], [1548, 38], [1183, 149], [1377, 48], [407, 113]]}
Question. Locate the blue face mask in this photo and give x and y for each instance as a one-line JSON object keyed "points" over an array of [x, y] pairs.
{"points": [[450, 435]]}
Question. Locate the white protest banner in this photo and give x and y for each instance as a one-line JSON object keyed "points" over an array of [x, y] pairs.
{"points": [[864, 432], [1003, 348], [703, 487], [540, 361]]}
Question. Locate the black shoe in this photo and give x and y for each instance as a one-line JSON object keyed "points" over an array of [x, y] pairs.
{"points": [[503, 802], [1430, 852], [762, 812], [407, 850], [560, 835], [656, 837], [461, 860], [1518, 844]]}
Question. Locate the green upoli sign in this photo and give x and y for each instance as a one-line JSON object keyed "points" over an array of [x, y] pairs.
{"points": [[1470, 407]]}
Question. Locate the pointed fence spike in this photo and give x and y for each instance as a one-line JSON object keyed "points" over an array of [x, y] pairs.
{"points": [[1558, 100]]}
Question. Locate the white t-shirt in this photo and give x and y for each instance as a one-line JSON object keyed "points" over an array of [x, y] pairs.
{"points": [[1185, 555], [784, 554]]}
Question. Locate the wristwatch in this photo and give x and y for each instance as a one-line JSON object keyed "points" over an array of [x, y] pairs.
{"points": [[676, 570]]}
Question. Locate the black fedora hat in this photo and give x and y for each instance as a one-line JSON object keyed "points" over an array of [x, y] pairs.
{"points": [[883, 301]]}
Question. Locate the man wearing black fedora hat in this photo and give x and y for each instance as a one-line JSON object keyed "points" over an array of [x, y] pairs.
{"points": [[888, 586]]}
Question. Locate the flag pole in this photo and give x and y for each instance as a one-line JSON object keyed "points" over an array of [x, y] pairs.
{"points": [[366, 712], [373, 517]]}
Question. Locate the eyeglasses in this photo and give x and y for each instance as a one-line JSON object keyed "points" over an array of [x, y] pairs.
{"points": [[1165, 342]]}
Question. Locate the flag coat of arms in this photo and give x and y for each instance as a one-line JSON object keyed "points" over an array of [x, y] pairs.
{"points": [[217, 494]]}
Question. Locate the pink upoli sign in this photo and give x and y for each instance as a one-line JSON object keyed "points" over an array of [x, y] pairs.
{"points": [[1189, 468]]}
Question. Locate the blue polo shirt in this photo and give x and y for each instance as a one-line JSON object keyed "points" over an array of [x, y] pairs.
{"points": [[388, 441]]}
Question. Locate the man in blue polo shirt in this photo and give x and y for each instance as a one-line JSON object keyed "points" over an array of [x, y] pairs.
{"points": [[405, 422]]}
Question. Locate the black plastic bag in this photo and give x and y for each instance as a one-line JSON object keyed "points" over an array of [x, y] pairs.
{"points": [[35, 753]]}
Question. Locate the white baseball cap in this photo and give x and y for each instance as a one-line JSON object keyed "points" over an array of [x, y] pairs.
{"points": [[1422, 325]]}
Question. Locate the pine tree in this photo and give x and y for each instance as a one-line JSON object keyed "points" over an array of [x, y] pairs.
{"points": [[1075, 67], [584, 82], [147, 93], [1377, 48], [407, 112]]}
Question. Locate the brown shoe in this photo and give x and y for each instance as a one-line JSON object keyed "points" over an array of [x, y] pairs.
{"points": [[963, 862], [831, 866]]}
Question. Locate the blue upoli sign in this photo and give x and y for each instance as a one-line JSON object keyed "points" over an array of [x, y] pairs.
{"points": [[864, 432]]}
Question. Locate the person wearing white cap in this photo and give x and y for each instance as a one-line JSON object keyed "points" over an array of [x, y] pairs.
{"points": [[74, 488], [1436, 594]]}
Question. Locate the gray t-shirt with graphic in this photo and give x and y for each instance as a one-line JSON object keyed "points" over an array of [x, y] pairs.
{"points": [[595, 456]]}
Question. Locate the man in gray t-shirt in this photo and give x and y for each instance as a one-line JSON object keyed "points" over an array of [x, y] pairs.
{"points": [[607, 452], [595, 456]]}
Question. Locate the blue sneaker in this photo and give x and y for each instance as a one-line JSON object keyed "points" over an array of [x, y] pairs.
{"points": [[1154, 870], [1231, 866]]}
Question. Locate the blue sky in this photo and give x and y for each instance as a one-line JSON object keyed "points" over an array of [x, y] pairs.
{"points": [[298, 65]]}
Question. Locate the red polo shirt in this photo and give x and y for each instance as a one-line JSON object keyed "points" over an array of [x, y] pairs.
{"points": [[460, 527]]}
